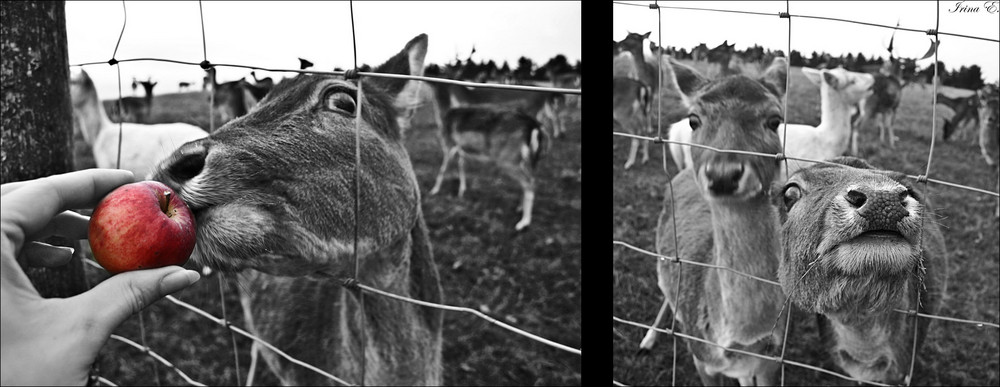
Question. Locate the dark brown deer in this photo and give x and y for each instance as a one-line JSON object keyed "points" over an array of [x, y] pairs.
{"points": [[858, 243], [966, 109], [723, 217], [273, 193]]}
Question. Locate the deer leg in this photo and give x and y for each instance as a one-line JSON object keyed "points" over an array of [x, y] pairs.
{"points": [[706, 378], [650, 339], [631, 154], [444, 167], [253, 363], [461, 173], [892, 135]]}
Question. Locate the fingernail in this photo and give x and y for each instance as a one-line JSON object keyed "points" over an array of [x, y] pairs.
{"points": [[69, 249], [178, 280]]}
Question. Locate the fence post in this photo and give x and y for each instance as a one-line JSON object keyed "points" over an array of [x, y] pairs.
{"points": [[35, 114]]}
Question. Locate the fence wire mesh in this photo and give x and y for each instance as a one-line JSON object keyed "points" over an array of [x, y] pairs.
{"points": [[782, 157], [350, 282]]}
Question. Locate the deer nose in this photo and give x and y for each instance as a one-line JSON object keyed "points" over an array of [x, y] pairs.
{"points": [[882, 208], [724, 178]]}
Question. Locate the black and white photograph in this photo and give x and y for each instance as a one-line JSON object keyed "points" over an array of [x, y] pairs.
{"points": [[806, 193], [291, 193]]}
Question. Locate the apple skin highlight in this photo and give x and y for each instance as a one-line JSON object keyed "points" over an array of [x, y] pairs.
{"points": [[142, 225]]}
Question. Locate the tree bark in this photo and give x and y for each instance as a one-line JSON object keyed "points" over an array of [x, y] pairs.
{"points": [[36, 115]]}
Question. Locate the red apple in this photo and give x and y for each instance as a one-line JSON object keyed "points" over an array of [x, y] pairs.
{"points": [[141, 225]]}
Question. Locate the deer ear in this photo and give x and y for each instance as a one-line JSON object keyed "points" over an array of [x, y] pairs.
{"points": [[812, 75], [776, 75], [831, 79], [646, 35], [409, 61]]}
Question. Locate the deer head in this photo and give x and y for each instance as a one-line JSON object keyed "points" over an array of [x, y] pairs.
{"points": [[274, 190]]}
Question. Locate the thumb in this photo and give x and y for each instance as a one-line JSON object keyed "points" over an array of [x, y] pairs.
{"points": [[119, 297]]}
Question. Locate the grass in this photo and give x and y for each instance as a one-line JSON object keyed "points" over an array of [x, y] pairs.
{"points": [[952, 354], [529, 279]]}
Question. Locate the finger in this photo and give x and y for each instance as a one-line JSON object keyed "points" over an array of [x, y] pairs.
{"points": [[38, 254], [124, 294], [68, 224], [10, 187], [31, 206]]}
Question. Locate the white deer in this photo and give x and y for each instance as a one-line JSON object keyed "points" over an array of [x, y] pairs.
{"points": [[273, 193], [142, 146]]}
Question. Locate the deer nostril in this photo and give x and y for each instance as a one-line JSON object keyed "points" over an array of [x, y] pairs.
{"points": [[188, 166], [857, 199]]}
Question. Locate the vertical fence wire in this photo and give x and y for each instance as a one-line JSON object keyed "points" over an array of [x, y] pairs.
{"points": [[357, 199], [232, 336], [914, 314]]}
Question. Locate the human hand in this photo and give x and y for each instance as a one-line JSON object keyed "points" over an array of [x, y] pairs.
{"points": [[54, 341]]}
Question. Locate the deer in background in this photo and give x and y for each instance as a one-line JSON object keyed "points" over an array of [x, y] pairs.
{"points": [[134, 109], [723, 217], [989, 130], [966, 109], [510, 139], [728, 64], [142, 146], [632, 102], [858, 243], [304, 64], [181, 86], [273, 194]]}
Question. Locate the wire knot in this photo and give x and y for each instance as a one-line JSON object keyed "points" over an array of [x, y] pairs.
{"points": [[654, 6], [912, 313], [112, 62], [779, 157], [352, 73], [205, 65], [922, 179], [932, 32], [350, 283], [784, 15], [658, 140]]}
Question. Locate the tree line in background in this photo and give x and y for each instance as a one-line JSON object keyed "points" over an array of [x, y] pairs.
{"points": [[488, 71], [970, 77]]}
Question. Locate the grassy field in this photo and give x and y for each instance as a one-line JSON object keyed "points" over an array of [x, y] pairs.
{"points": [[529, 279], [953, 353]]}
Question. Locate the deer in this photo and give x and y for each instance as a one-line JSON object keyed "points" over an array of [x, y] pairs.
{"points": [[966, 109], [135, 109], [989, 130], [894, 75], [142, 146], [508, 138], [724, 217], [632, 102], [857, 243], [264, 85], [722, 55], [181, 86], [534, 103], [273, 193], [304, 64]]}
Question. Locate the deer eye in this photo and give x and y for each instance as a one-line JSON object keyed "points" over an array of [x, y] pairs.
{"points": [[341, 101], [792, 195], [694, 121], [772, 123]]}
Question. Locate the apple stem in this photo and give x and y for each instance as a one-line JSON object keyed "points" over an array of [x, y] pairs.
{"points": [[166, 201]]}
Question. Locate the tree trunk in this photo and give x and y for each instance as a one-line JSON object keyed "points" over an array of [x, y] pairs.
{"points": [[36, 115]]}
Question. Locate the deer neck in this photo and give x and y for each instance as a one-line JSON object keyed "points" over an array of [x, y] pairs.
{"points": [[94, 119], [835, 116], [746, 240], [644, 71]]}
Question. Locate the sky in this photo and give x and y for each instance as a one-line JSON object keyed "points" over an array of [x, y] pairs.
{"points": [[688, 28], [275, 34]]}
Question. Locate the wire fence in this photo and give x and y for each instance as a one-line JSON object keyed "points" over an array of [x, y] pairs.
{"points": [[782, 157], [349, 283]]}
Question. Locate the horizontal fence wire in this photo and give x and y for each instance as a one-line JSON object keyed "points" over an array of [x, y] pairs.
{"points": [[780, 14], [779, 157], [106, 382], [474, 312], [747, 353], [362, 73], [228, 325], [783, 157], [770, 282], [159, 358]]}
